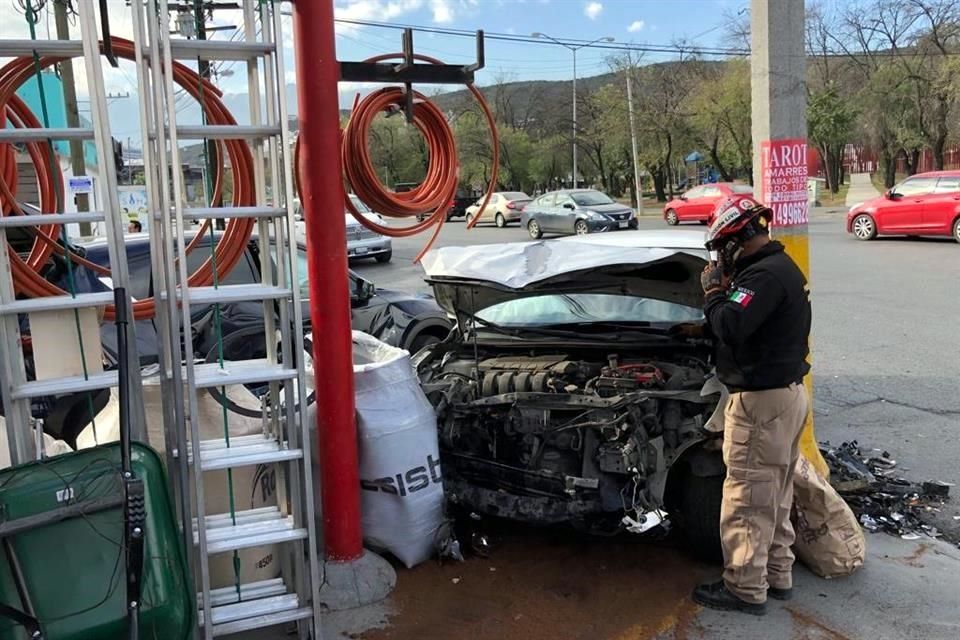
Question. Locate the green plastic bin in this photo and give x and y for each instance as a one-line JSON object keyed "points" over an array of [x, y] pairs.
{"points": [[75, 569]]}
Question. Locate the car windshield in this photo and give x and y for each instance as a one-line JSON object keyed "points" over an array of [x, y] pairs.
{"points": [[358, 204], [302, 267], [580, 308], [590, 198], [515, 195]]}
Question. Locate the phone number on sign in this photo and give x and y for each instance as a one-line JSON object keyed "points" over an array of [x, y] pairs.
{"points": [[789, 213]]}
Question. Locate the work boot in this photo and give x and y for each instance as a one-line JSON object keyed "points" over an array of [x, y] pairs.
{"points": [[715, 595], [780, 594]]}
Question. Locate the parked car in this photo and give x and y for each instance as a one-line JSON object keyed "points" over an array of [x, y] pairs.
{"points": [[399, 319], [566, 392], [458, 206], [577, 211], [927, 204], [697, 204], [504, 207], [361, 241]]}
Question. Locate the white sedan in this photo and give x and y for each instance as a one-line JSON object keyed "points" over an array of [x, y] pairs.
{"points": [[504, 207]]}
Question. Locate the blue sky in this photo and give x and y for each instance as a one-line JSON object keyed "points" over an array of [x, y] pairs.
{"points": [[639, 21], [660, 22]]}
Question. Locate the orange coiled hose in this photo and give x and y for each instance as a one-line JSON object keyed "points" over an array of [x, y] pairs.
{"points": [[231, 245], [436, 192]]}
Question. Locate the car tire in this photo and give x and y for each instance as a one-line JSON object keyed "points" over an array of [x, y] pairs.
{"points": [[863, 227], [501, 221], [533, 228], [581, 228], [421, 341], [384, 258], [672, 218], [956, 229], [700, 501]]}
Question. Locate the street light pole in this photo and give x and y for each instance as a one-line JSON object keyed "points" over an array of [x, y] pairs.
{"points": [[633, 140], [574, 49], [574, 118]]}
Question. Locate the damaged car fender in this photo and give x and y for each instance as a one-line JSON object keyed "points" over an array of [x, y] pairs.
{"points": [[402, 320]]}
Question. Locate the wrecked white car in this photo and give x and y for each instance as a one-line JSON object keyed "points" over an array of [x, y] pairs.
{"points": [[567, 392]]}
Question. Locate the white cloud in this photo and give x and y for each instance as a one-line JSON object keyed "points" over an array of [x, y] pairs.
{"points": [[636, 25], [593, 10], [378, 10], [442, 11], [385, 10]]}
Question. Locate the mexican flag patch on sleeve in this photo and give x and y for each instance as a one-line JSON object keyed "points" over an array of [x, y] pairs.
{"points": [[741, 296]]}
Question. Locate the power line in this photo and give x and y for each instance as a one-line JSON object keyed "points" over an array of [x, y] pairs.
{"points": [[629, 46], [507, 37], [551, 66]]}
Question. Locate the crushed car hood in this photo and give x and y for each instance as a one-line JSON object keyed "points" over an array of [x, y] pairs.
{"points": [[468, 279]]}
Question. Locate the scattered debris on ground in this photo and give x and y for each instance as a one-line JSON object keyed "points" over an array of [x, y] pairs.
{"points": [[883, 500]]}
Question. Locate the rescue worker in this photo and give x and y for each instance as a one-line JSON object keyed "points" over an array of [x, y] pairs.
{"points": [[757, 308]]}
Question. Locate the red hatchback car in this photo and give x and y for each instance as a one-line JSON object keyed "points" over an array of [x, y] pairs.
{"points": [[697, 204], [927, 204]]}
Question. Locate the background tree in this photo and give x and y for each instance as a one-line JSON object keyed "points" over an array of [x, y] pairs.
{"points": [[720, 118], [830, 120]]}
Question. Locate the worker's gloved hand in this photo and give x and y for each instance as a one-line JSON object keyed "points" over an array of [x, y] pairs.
{"points": [[712, 279]]}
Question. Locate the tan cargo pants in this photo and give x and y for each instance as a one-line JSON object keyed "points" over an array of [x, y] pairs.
{"points": [[760, 438]]}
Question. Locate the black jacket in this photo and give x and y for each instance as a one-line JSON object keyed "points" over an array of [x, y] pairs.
{"points": [[761, 324]]}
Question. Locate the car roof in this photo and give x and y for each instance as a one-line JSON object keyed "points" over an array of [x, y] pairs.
{"points": [[571, 191], [954, 173]]}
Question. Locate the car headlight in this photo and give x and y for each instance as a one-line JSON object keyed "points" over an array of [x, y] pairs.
{"points": [[593, 215]]}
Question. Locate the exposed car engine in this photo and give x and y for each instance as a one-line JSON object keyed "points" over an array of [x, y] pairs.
{"points": [[567, 437]]}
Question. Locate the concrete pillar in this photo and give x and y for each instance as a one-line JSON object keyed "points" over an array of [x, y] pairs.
{"points": [[778, 69]]}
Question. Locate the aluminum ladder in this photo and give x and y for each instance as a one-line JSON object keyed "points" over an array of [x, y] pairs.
{"points": [[284, 444], [23, 432]]}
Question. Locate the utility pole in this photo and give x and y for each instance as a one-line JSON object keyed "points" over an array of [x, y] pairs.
{"points": [[78, 165], [778, 69], [633, 135]]}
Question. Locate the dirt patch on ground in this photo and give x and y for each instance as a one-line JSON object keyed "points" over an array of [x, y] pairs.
{"points": [[806, 627], [913, 560], [550, 584]]}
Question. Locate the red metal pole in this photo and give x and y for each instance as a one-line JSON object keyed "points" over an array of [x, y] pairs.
{"points": [[317, 75]]}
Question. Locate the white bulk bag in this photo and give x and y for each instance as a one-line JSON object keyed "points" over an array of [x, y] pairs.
{"points": [[51, 446], [400, 479]]}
